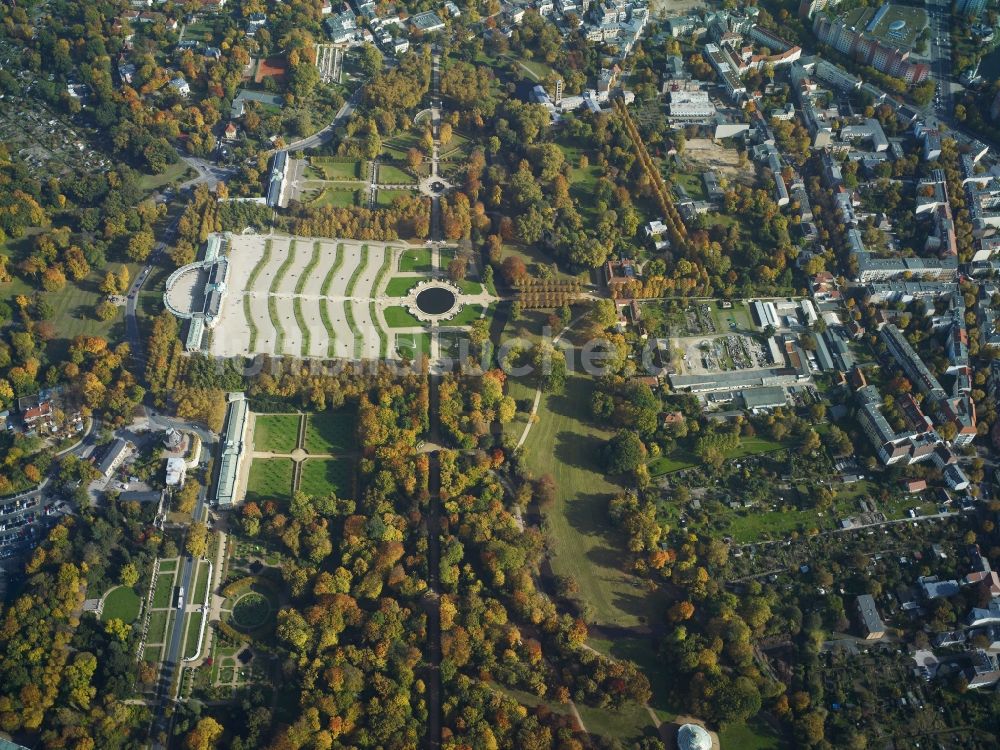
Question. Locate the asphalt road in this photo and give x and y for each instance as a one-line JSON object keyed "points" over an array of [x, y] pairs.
{"points": [[132, 334], [171, 661], [939, 18], [209, 173], [162, 422]]}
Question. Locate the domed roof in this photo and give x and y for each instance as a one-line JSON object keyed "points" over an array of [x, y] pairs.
{"points": [[693, 737]]}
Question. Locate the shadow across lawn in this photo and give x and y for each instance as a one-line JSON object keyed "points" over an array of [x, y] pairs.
{"points": [[577, 450]]}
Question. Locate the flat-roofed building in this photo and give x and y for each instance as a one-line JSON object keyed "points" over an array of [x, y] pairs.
{"points": [[691, 105], [768, 397], [728, 71]]}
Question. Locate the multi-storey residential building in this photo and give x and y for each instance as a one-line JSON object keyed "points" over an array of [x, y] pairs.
{"points": [[863, 47], [970, 7], [914, 443], [911, 363], [869, 130], [727, 69], [809, 8]]}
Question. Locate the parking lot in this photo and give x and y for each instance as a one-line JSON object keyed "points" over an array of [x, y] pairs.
{"points": [[20, 519]]}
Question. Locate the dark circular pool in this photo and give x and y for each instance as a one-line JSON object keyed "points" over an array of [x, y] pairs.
{"points": [[436, 300]]}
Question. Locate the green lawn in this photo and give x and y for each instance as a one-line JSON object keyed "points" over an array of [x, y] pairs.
{"points": [[201, 583], [459, 145], [157, 626], [390, 175], [324, 314], [308, 270], [338, 197], [329, 432], [384, 198], [383, 271], [408, 344], [538, 71], [338, 261], [248, 317], [358, 270], [279, 330], [642, 651], [416, 260], [270, 479], [692, 184], [202, 31], [173, 173], [321, 476], [533, 256], [73, 307], [683, 459], [470, 287], [194, 628], [121, 603], [276, 433], [467, 315], [393, 152], [286, 264], [630, 722], [383, 339], [753, 735], [400, 286], [265, 259], [163, 595], [755, 525], [564, 444], [167, 566], [583, 179], [399, 317], [300, 321], [337, 169], [359, 337]]}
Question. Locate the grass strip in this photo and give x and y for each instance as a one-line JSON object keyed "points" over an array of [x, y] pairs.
{"points": [[383, 341], [300, 320], [358, 337], [283, 268], [386, 267], [248, 314], [338, 261], [279, 332], [308, 270], [357, 272], [324, 314], [260, 266]]}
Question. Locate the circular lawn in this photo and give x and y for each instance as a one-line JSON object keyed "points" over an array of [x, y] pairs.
{"points": [[121, 603], [251, 611]]}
